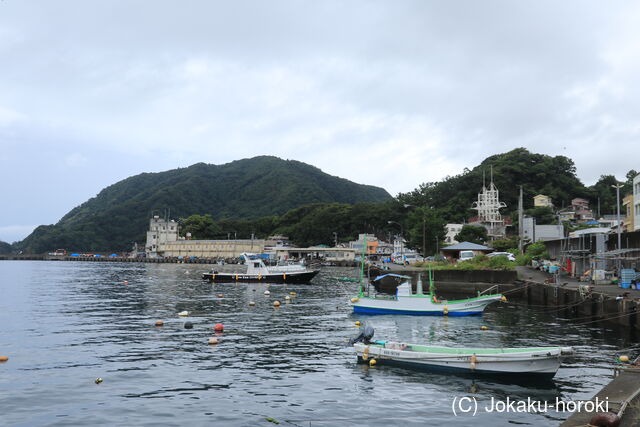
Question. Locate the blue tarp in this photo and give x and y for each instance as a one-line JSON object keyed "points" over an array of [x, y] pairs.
{"points": [[113, 255], [75, 254]]}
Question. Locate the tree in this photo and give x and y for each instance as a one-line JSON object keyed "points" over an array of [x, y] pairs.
{"points": [[200, 226], [425, 230], [472, 233], [542, 214]]}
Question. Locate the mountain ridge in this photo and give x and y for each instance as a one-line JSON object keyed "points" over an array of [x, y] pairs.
{"points": [[247, 188]]}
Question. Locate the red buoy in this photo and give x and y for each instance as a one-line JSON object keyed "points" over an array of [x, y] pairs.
{"points": [[218, 327]]}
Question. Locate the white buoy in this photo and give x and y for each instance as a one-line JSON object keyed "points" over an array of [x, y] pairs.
{"points": [[183, 313], [267, 293]]}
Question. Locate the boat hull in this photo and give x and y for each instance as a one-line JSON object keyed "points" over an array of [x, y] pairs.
{"points": [[423, 306], [539, 363], [377, 310], [293, 277], [461, 371]]}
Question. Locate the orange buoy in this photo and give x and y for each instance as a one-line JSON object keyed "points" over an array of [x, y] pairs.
{"points": [[372, 362], [126, 282], [213, 340], [293, 293], [220, 295], [4, 358], [276, 303], [218, 327], [159, 323]]}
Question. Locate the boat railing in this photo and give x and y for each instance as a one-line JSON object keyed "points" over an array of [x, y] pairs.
{"points": [[492, 288]]}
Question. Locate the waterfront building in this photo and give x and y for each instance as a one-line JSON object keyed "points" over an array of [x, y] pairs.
{"points": [[452, 231], [384, 249], [636, 202], [210, 248], [629, 208], [161, 231], [542, 201], [163, 240], [323, 253], [372, 244]]}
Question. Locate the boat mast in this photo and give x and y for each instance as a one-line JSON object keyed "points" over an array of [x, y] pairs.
{"points": [[364, 245], [432, 287]]}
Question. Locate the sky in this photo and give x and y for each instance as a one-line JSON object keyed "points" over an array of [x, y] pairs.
{"points": [[387, 93]]}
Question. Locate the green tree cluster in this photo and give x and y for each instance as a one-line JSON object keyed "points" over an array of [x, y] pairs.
{"points": [[472, 233]]}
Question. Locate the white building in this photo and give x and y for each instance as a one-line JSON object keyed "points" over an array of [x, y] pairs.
{"points": [[452, 231], [636, 201], [161, 231], [534, 232]]}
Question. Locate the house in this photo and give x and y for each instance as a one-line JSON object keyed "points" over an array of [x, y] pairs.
{"points": [[610, 221], [542, 201], [579, 203], [636, 201], [628, 208], [372, 244]]}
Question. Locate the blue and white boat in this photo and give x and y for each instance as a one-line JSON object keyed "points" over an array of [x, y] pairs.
{"points": [[420, 304]]}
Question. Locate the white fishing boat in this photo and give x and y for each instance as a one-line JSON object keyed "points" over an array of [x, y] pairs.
{"points": [[257, 271], [422, 304], [540, 362]]}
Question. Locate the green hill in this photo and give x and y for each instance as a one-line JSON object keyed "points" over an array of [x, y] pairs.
{"points": [[537, 173], [248, 188]]}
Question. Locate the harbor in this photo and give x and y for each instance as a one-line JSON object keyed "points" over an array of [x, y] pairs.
{"points": [[279, 358]]}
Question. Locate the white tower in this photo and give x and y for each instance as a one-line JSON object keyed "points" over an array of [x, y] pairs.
{"points": [[488, 207]]}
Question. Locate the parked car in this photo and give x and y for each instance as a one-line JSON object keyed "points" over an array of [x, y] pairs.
{"points": [[509, 255]]}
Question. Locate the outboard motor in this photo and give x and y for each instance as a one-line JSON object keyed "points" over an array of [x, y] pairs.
{"points": [[364, 336]]}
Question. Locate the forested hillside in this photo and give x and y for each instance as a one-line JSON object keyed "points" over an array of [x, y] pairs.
{"points": [[267, 195], [249, 188]]}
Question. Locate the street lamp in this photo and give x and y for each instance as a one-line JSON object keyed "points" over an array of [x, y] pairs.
{"points": [[401, 239]]}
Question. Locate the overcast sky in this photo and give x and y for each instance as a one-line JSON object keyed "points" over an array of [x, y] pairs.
{"points": [[389, 93]]}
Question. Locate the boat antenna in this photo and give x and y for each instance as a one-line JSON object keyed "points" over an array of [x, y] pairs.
{"points": [[364, 245]]}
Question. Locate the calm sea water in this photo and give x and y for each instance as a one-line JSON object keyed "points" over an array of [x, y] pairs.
{"points": [[63, 324]]}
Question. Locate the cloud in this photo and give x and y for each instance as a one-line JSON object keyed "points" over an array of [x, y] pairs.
{"points": [[390, 94], [13, 233]]}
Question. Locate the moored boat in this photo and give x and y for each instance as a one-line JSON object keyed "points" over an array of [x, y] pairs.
{"points": [[539, 362], [257, 271], [422, 304]]}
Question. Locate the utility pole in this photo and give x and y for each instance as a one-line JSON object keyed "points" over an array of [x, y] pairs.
{"points": [[520, 224]]}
